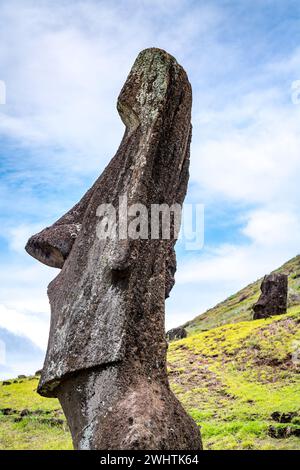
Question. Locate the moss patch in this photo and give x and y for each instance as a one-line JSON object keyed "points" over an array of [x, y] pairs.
{"points": [[231, 379]]}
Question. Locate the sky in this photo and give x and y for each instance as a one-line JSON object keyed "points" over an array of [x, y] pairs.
{"points": [[63, 64]]}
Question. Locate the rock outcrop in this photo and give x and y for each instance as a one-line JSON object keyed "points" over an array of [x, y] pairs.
{"points": [[273, 298], [106, 356], [176, 333]]}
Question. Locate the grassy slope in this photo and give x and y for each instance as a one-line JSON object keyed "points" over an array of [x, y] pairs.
{"points": [[238, 307], [43, 428], [230, 379]]}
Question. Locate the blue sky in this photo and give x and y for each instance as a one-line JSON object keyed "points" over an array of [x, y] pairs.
{"points": [[64, 64]]}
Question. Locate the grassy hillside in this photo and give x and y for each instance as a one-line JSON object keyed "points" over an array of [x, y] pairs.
{"points": [[241, 382], [238, 382], [29, 421], [238, 307]]}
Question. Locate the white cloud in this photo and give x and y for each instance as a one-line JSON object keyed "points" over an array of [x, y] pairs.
{"points": [[232, 263], [65, 66], [17, 236], [33, 326], [272, 229], [273, 238], [23, 285], [253, 154]]}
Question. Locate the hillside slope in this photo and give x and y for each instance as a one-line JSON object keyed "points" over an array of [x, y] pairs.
{"points": [[238, 307], [29, 421], [240, 382]]}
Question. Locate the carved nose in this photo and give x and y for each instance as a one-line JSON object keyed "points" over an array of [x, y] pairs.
{"points": [[53, 245], [44, 252]]}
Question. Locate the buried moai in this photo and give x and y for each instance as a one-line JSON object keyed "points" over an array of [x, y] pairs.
{"points": [[106, 356], [273, 298]]}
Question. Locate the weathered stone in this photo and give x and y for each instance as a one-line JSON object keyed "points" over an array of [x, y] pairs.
{"points": [[8, 411], [283, 417], [106, 356], [176, 333], [277, 432], [283, 432], [273, 299]]}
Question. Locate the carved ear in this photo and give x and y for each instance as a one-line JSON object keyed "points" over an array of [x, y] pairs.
{"points": [[52, 245]]}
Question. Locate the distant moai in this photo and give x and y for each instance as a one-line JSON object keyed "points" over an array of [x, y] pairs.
{"points": [[273, 298], [176, 333], [106, 356]]}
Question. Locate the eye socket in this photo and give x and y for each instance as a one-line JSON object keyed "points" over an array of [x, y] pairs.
{"points": [[119, 274]]}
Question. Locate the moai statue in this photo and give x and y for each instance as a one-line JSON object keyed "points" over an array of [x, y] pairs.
{"points": [[176, 333], [106, 356], [273, 298]]}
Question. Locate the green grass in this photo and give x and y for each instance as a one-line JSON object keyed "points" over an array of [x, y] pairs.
{"points": [[19, 395], [32, 434], [43, 428], [232, 378]]}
